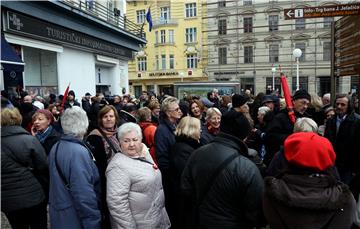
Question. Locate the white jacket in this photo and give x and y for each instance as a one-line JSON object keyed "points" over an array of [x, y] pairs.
{"points": [[135, 195]]}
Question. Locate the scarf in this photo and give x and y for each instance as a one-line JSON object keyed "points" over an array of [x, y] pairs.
{"points": [[112, 136], [212, 130], [42, 136]]}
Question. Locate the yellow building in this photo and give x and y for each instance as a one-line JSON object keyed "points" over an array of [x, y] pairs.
{"points": [[174, 51]]}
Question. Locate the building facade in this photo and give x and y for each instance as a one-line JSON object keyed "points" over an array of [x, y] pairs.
{"points": [[249, 40], [86, 44], [173, 52]]}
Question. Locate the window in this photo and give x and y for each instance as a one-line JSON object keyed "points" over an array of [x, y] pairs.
{"points": [[327, 22], [89, 4], [303, 83], [142, 64], [156, 37], [192, 61], [171, 36], [277, 82], [248, 54], [248, 25], [190, 10], [162, 36], [222, 26], [300, 23], [140, 16], [302, 47], [326, 51], [165, 14], [190, 35], [221, 3], [157, 62], [247, 2], [171, 61], [273, 22], [222, 55], [163, 62], [274, 53], [42, 68]]}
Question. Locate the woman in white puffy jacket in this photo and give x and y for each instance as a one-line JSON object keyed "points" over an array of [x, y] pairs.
{"points": [[134, 195]]}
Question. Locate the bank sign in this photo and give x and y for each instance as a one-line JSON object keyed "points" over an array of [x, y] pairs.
{"points": [[322, 11], [31, 27]]}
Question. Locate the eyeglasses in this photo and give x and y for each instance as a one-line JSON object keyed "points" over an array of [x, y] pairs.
{"points": [[176, 109]]}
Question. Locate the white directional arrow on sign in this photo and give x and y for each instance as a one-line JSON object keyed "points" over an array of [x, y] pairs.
{"points": [[290, 13]]}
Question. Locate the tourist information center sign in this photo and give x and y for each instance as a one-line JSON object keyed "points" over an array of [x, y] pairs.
{"points": [[323, 11]]}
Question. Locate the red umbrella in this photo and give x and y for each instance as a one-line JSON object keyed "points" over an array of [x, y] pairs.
{"points": [[287, 96]]}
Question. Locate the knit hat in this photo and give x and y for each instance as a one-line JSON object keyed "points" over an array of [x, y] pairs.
{"points": [[71, 93], [236, 124], [207, 103], [238, 100], [268, 98], [87, 94], [301, 94], [309, 150], [45, 112]]}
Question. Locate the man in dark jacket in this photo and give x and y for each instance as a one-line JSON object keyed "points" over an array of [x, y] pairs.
{"points": [[164, 139], [343, 131], [71, 100], [281, 126], [223, 185]]}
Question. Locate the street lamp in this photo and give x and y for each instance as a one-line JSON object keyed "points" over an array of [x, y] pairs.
{"points": [[273, 70], [297, 54]]}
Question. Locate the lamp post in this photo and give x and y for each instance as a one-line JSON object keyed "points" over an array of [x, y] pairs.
{"points": [[273, 70], [297, 54]]}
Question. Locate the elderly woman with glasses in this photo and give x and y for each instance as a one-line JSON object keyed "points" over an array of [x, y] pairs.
{"points": [[134, 191], [212, 125]]}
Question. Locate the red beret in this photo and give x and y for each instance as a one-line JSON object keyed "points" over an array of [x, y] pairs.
{"points": [[309, 150]]}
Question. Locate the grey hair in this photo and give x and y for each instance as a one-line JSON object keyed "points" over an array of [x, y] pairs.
{"points": [[127, 128], [263, 110], [165, 105], [74, 121], [211, 111], [305, 125]]}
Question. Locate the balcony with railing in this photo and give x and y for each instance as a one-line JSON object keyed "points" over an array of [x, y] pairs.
{"points": [[164, 22], [111, 16]]}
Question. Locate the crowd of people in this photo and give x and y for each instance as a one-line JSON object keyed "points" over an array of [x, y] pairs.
{"points": [[229, 161]]}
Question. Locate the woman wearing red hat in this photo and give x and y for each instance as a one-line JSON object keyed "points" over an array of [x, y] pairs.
{"points": [[307, 193]]}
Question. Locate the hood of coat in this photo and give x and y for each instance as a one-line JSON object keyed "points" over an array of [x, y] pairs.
{"points": [[233, 142], [13, 130], [308, 191]]}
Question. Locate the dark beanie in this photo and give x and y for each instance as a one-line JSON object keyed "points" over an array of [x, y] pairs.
{"points": [[71, 93], [238, 100], [301, 94], [309, 150], [236, 124]]}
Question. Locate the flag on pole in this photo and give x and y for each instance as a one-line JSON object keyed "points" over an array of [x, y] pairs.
{"points": [[64, 98], [149, 19]]}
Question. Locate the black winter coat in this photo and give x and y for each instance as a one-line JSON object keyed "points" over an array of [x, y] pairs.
{"points": [[20, 153], [346, 142], [305, 201], [50, 140], [178, 157], [234, 198], [277, 131]]}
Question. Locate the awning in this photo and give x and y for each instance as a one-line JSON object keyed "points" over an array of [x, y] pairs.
{"points": [[9, 59]]}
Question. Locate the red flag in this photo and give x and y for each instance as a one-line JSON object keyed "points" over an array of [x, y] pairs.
{"points": [[287, 96], [64, 98]]}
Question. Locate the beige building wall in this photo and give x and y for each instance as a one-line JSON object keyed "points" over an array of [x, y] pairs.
{"points": [[314, 70]]}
